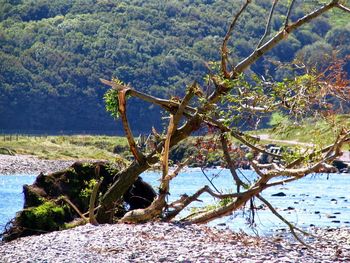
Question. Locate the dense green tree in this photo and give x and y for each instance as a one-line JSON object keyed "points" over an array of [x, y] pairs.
{"points": [[62, 48]]}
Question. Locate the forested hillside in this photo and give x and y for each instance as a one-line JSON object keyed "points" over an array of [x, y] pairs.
{"points": [[52, 54]]}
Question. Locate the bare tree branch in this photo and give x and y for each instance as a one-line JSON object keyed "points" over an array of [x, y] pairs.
{"points": [[177, 170], [239, 136], [195, 118], [344, 8], [288, 13], [168, 105], [292, 228], [345, 139], [122, 110], [268, 24], [257, 53], [92, 218], [224, 50], [157, 206], [185, 200], [66, 199], [210, 181], [229, 162]]}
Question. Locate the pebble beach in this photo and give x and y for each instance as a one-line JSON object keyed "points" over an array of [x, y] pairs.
{"points": [[163, 242], [28, 164]]}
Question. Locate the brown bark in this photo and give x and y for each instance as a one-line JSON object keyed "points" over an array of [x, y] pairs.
{"points": [[196, 116]]}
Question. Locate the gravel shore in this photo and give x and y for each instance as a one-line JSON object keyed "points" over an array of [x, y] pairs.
{"points": [[162, 242], [28, 164]]}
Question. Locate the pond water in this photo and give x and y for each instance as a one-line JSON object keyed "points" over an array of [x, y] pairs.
{"points": [[321, 199]]}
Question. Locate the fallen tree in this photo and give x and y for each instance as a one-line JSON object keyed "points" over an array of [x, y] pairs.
{"points": [[231, 95]]}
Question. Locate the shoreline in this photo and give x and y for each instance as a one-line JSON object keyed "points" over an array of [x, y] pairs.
{"points": [[30, 164], [171, 242], [162, 242]]}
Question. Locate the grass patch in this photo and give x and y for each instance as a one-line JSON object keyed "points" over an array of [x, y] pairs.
{"points": [[319, 132], [64, 147]]}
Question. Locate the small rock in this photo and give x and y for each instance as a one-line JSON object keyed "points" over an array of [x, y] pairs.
{"points": [[335, 221], [330, 216], [279, 194]]}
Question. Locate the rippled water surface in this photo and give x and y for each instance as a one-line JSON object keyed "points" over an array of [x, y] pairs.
{"points": [[321, 200]]}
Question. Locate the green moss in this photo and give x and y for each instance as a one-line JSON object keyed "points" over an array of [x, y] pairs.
{"points": [[86, 192], [74, 223], [46, 217]]}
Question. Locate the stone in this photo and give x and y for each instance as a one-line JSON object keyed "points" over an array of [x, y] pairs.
{"points": [[280, 194]]}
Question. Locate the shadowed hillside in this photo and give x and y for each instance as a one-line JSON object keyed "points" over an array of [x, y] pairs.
{"points": [[52, 54]]}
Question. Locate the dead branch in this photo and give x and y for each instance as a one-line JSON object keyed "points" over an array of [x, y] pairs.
{"points": [[122, 110], [230, 163], [66, 199], [344, 8], [224, 49], [185, 200], [292, 228], [327, 149], [257, 53], [157, 206], [239, 136], [93, 196], [210, 181], [268, 24], [168, 105], [286, 22], [183, 203], [173, 123], [196, 116], [177, 170]]}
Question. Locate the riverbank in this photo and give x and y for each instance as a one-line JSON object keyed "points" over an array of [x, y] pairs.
{"points": [[162, 242], [28, 164]]}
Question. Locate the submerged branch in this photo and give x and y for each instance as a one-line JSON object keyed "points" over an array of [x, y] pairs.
{"points": [[292, 228]]}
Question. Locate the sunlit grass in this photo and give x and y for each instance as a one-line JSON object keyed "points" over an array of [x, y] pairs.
{"points": [[64, 147]]}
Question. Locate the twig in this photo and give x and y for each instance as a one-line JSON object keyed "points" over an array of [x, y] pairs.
{"points": [[344, 8], [292, 228], [229, 162], [65, 198], [268, 24], [257, 53], [288, 13], [178, 168], [224, 50], [210, 181]]}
